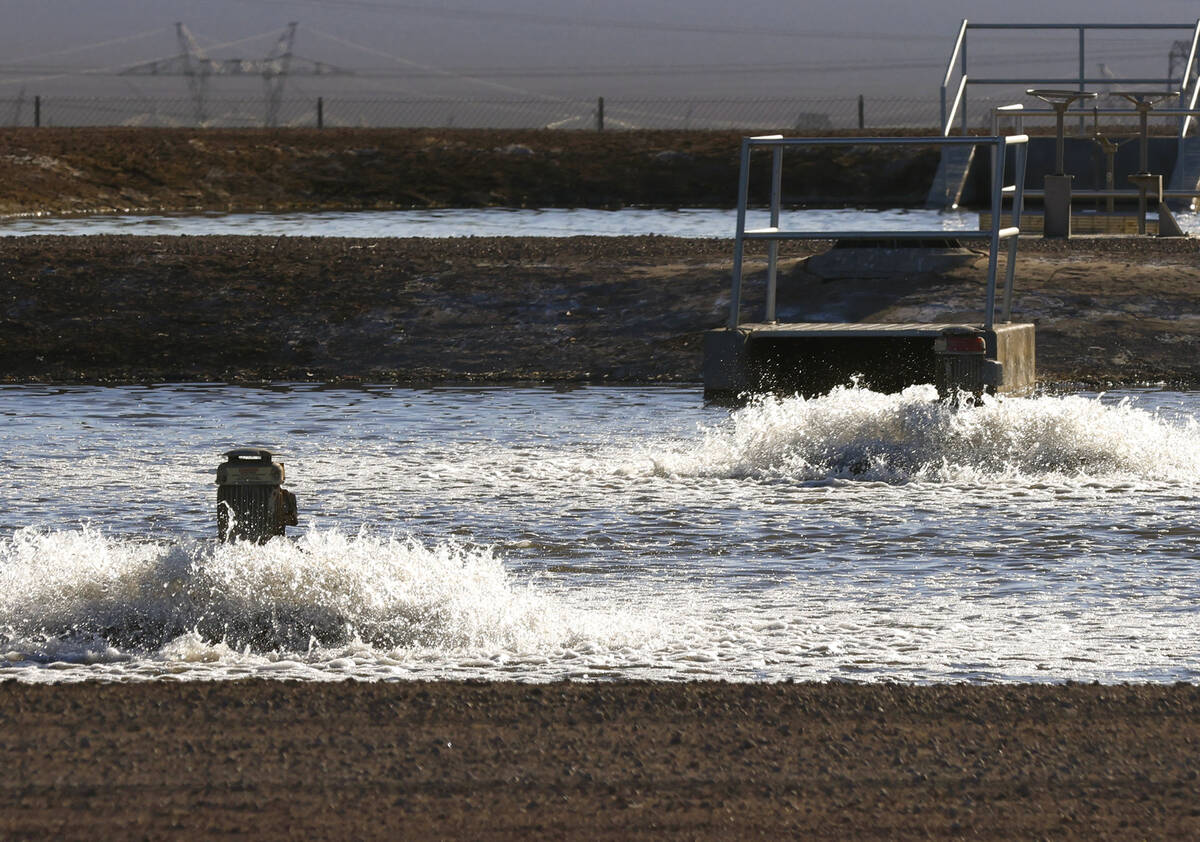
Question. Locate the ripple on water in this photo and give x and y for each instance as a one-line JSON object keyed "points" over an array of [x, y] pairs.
{"points": [[605, 532]]}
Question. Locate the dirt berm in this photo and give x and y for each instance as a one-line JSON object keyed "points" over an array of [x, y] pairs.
{"points": [[114, 309], [90, 170]]}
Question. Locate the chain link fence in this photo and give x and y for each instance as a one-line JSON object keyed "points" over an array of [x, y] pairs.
{"points": [[789, 114]]}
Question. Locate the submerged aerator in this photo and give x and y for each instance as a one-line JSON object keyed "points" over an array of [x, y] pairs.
{"points": [[252, 504]]}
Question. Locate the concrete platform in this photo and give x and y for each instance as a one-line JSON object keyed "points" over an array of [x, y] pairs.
{"points": [[810, 358]]}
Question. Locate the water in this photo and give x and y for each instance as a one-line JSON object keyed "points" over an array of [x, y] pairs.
{"points": [[487, 222], [535, 534]]}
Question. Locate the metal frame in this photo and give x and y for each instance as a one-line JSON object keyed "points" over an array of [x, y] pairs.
{"points": [[772, 234], [1018, 113], [956, 106]]}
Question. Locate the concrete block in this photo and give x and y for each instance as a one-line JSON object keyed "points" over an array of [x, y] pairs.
{"points": [[1014, 347], [726, 364], [811, 358], [1057, 204]]}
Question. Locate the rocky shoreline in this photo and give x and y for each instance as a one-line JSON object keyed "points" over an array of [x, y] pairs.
{"points": [[130, 309]]}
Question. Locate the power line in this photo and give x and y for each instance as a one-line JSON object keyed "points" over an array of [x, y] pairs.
{"points": [[436, 71], [91, 46], [538, 19], [413, 69]]}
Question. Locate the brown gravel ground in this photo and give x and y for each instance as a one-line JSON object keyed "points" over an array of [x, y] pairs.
{"points": [[119, 309], [53, 170], [262, 759]]}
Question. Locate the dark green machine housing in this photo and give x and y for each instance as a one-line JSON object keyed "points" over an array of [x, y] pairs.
{"points": [[252, 504]]}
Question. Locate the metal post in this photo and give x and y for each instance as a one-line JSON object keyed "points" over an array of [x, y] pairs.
{"points": [[1110, 169], [320, 112], [600, 114], [1145, 182], [739, 241], [1057, 187], [989, 315], [1082, 76], [862, 123], [1081, 66], [773, 245], [1143, 101], [1056, 219], [1022, 150], [1060, 142], [37, 111], [1144, 142]]}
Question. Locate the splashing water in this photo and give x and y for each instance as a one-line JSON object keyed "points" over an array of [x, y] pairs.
{"points": [[102, 596], [857, 433], [537, 535]]}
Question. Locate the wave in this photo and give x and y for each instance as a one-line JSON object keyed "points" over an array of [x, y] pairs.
{"points": [[856, 433], [80, 595]]}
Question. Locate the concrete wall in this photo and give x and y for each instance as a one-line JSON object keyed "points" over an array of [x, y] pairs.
{"points": [[760, 360]]}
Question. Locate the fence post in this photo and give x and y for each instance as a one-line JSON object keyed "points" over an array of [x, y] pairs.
{"points": [[862, 123], [600, 114], [37, 111], [320, 112]]}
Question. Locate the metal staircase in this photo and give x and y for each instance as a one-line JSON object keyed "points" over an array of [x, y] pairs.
{"points": [[1186, 176]]}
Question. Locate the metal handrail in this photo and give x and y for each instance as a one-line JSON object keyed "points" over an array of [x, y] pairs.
{"points": [[1184, 100], [1016, 111], [1109, 112], [959, 54], [1068, 80], [1113, 194], [772, 234], [1191, 106], [958, 97], [959, 44]]}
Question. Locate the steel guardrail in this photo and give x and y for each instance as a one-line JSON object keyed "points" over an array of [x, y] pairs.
{"points": [[1189, 92], [773, 234]]}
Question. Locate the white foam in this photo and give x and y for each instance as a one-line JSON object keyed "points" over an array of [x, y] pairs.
{"points": [[865, 435], [406, 610], [81, 595]]}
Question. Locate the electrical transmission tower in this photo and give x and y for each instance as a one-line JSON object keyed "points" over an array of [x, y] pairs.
{"points": [[194, 64]]}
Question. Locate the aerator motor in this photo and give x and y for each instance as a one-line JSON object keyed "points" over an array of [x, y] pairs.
{"points": [[252, 504]]}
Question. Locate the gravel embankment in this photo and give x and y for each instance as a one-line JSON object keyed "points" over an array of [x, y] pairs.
{"points": [[119, 309]]}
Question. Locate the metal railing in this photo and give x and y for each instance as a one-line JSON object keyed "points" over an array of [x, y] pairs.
{"points": [[772, 234], [955, 105], [1018, 114]]}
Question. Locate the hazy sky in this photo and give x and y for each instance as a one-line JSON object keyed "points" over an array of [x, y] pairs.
{"points": [[572, 47]]}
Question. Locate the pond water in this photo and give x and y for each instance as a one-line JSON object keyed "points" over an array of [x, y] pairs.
{"points": [[534, 534], [486, 222]]}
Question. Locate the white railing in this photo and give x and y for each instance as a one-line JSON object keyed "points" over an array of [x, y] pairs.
{"points": [[773, 234], [954, 106]]}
